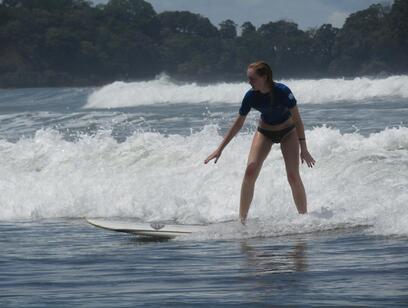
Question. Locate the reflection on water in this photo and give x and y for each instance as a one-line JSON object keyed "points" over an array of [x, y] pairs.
{"points": [[273, 259]]}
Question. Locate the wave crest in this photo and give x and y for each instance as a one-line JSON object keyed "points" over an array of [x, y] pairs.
{"points": [[164, 91]]}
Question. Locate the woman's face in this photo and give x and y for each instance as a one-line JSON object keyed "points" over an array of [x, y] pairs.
{"points": [[257, 82]]}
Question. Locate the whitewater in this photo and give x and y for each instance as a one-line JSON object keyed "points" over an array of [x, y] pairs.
{"points": [[163, 91], [137, 149]]}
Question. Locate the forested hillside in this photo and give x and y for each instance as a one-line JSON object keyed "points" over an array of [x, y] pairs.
{"points": [[73, 42]]}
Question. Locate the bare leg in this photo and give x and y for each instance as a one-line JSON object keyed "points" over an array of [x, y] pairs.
{"points": [[260, 149], [290, 152]]}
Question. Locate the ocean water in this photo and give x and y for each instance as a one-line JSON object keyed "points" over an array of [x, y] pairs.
{"points": [[136, 150]]}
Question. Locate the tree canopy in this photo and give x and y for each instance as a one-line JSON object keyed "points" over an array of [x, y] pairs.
{"points": [[73, 42]]}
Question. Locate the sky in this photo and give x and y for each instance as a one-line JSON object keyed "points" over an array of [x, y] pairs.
{"points": [[306, 13]]}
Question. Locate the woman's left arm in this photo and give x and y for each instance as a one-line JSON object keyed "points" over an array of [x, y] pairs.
{"points": [[300, 129]]}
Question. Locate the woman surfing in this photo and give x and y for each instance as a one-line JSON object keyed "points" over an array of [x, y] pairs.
{"points": [[280, 122]]}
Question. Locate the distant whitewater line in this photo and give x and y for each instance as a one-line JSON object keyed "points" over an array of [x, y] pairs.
{"points": [[163, 91]]}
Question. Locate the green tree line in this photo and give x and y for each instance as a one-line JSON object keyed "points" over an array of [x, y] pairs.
{"points": [[75, 43]]}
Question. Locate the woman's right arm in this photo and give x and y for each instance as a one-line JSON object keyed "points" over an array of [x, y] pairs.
{"points": [[234, 129]]}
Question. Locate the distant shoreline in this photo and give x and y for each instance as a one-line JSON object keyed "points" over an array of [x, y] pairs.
{"points": [[82, 83], [73, 43]]}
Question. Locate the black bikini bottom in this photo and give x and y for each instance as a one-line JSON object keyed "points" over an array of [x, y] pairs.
{"points": [[276, 135]]}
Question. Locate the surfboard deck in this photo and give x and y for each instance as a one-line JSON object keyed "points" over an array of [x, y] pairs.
{"points": [[155, 230]]}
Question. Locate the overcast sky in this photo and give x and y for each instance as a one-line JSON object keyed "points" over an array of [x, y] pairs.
{"points": [[306, 13]]}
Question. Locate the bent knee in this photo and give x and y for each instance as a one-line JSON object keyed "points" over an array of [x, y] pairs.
{"points": [[252, 170]]}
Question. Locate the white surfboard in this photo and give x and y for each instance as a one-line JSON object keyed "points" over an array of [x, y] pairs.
{"points": [[156, 230]]}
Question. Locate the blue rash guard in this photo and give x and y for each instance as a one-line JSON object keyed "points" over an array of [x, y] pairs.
{"points": [[275, 111]]}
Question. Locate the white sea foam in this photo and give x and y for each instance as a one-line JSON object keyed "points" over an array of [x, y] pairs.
{"points": [[163, 91], [357, 181]]}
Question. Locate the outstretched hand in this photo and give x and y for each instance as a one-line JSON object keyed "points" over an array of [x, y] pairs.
{"points": [[306, 157], [216, 154]]}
